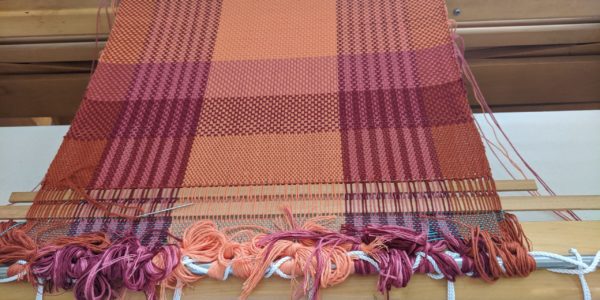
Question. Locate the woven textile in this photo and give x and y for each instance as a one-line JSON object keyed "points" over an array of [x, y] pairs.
{"points": [[347, 108]]}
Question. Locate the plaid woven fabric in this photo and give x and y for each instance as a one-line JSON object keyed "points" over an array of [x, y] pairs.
{"points": [[346, 108], [351, 108]]}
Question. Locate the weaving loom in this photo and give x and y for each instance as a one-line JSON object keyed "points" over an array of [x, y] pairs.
{"points": [[309, 140]]}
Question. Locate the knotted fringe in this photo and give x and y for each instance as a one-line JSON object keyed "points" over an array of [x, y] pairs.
{"points": [[310, 254]]}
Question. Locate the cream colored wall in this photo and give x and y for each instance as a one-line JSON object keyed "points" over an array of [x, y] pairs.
{"points": [[563, 147]]}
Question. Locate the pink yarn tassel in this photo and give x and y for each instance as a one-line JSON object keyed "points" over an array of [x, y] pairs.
{"points": [[126, 264]]}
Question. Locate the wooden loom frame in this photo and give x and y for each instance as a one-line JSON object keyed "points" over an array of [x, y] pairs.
{"points": [[555, 236], [48, 46]]}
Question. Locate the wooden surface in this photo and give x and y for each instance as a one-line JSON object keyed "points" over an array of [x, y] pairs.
{"points": [[68, 48], [526, 203], [539, 285], [490, 10], [514, 82], [78, 17], [501, 186], [36, 95], [545, 236]]}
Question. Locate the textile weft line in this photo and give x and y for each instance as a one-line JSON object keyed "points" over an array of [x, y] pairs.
{"points": [[237, 133]]}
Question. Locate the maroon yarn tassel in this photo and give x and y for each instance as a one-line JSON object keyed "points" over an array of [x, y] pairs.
{"points": [[395, 269], [446, 264], [402, 245], [362, 267], [460, 246], [394, 262], [64, 260]]}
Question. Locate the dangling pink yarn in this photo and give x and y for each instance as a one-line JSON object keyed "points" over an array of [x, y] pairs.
{"points": [[395, 262], [61, 262], [127, 264], [60, 267]]}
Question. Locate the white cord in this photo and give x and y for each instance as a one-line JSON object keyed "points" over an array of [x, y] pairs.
{"points": [[177, 293], [363, 256], [274, 268], [438, 275], [581, 270], [39, 295], [15, 277]]}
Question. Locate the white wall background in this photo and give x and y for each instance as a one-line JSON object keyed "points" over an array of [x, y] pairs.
{"points": [[564, 147]]}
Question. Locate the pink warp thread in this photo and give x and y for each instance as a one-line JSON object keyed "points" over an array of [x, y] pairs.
{"points": [[459, 50]]}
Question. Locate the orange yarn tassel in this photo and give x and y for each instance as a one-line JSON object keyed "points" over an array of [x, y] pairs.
{"points": [[15, 245]]}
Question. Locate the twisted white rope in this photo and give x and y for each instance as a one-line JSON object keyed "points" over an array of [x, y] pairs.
{"points": [[581, 270], [15, 277], [438, 275], [363, 256], [177, 293], [39, 295]]}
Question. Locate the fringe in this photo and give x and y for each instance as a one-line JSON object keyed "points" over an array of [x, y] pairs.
{"points": [[309, 254]]}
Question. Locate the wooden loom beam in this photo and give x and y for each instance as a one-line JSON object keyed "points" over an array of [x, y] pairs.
{"points": [[540, 285], [509, 203], [501, 186]]}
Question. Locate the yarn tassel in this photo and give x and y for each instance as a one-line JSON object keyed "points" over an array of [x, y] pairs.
{"points": [[201, 242], [402, 248], [16, 246], [309, 254], [314, 251], [484, 253], [126, 264], [396, 269], [60, 263], [446, 264], [513, 248]]}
